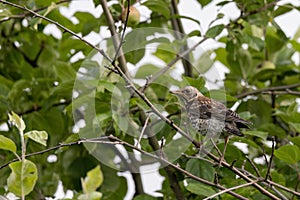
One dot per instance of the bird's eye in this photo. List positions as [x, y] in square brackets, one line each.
[188, 91]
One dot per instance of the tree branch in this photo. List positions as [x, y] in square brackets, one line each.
[178, 168]
[177, 26]
[116, 39]
[274, 88]
[271, 158]
[170, 64]
[230, 189]
[60, 26]
[20, 16]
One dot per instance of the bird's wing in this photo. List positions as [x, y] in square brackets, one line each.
[206, 108]
[232, 116]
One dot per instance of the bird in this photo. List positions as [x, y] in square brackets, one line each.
[209, 116]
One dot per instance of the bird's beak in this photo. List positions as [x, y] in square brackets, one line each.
[176, 92]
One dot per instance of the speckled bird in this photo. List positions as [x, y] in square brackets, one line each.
[208, 116]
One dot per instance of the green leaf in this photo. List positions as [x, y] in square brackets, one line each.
[92, 181]
[38, 136]
[204, 2]
[282, 9]
[194, 33]
[17, 121]
[7, 144]
[65, 71]
[204, 62]
[201, 169]
[296, 126]
[221, 95]
[186, 17]
[295, 140]
[214, 31]
[288, 153]
[272, 129]
[23, 177]
[275, 40]
[261, 134]
[146, 70]
[198, 82]
[165, 52]
[91, 196]
[200, 189]
[87, 22]
[144, 197]
[159, 7]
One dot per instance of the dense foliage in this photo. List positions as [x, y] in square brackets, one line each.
[66, 91]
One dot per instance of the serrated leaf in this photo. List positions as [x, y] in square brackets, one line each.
[92, 181]
[23, 177]
[214, 31]
[17, 121]
[7, 144]
[200, 189]
[261, 134]
[38, 136]
[288, 153]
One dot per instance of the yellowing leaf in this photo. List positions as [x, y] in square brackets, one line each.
[92, 181]
[22, 179]
[90, 196]
[38, 136]
[17, 121]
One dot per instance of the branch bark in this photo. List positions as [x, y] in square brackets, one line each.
[116, 40]
[179, 31]
[269, 89]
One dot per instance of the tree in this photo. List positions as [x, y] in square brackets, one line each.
[81, 120]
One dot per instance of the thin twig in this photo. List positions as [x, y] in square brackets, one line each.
[287, 91]
[230, 189]
[283, 188]
[179, 35]
[177, 167]
[20, 16]
[143, 130]
[123, 33]
[116, 40]
[271, 158]
[264, 155]
[99, 140]
[170, 64]
[254, 167]
[268, 183]
[275, 88]
[60, 26]
[261, 9]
